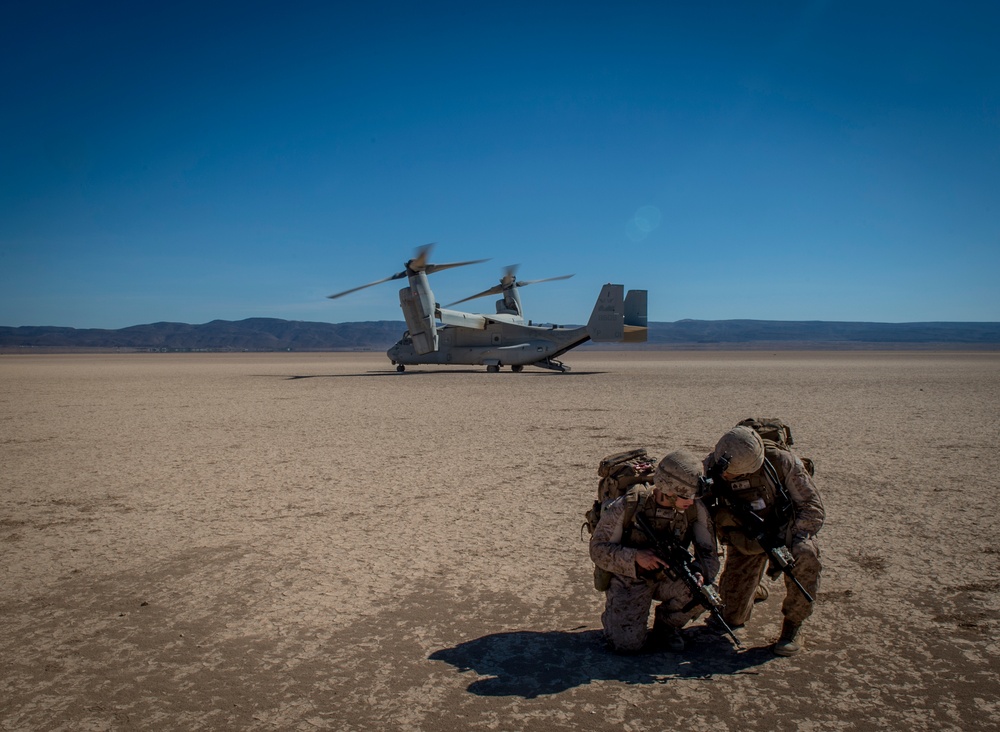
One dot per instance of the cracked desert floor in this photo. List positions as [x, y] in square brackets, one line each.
[313, 541]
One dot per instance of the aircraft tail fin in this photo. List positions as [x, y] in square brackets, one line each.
[636, 327]
[607, 321]
[618, 319]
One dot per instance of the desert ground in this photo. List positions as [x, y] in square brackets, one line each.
[313, 541]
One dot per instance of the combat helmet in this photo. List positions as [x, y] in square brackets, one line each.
[679, 474]
[744, 448]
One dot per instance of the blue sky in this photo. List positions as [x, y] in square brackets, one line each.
[780, 160]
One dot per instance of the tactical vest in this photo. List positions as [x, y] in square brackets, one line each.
[662, 520]
[765, 494]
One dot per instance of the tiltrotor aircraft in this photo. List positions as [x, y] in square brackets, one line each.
[503, 339]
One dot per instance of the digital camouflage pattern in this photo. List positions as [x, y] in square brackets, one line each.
[613, 547]
[745, 564]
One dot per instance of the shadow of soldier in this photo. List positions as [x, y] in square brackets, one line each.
[532, 663]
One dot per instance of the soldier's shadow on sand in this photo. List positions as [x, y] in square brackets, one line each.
[531, 664]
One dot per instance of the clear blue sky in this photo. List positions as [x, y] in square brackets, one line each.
[790, 160]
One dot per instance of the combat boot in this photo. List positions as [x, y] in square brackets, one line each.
[666, 637]
[790, 641]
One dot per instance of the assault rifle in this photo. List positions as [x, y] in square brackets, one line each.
[753, 526]
[680, 566]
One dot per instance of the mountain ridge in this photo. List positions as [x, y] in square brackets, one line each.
[274, 334]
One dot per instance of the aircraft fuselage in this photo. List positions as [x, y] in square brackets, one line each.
[498, 344]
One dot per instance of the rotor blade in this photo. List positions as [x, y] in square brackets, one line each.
[432, 268]
[547, 279]
[417, 264]
[396, 276]
[495, 290]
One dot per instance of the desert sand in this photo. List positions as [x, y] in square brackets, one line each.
[313, 541]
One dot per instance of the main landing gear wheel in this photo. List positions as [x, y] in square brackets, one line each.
[492, 368]
[400, 368]
[517, 369]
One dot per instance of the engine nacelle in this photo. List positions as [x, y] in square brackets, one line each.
[419, 313]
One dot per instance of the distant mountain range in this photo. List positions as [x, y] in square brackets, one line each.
[271, 334]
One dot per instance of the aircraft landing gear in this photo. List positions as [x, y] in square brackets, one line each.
[517, 368]
[492, 368]
[400, 368]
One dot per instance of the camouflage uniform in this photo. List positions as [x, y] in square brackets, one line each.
[613, 547]
[746, 562]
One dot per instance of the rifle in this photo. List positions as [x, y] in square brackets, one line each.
[753, 526]
[680, 566]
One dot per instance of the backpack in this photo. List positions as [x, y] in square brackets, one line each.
[618, 472]
[622, 470]
[774, 430]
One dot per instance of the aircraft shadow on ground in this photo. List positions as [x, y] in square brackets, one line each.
[450, 372]
[531, 664]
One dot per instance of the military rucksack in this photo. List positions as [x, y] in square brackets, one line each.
[618, 472]
[622, 470]
[772, 429]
